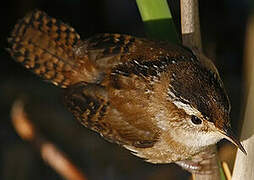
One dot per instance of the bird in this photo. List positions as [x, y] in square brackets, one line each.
[162, 101]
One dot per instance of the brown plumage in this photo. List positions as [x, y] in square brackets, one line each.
[162, 101]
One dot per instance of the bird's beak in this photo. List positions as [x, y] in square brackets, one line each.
[229, 135]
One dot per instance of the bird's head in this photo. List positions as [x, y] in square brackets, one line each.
[198, 93]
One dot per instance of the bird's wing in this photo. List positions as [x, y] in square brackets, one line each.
[92, 106]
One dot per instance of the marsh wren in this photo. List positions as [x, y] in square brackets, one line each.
[163, 102]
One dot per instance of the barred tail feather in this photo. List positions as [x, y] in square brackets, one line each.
[45, 46]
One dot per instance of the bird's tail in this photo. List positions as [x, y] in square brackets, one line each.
[45, 46]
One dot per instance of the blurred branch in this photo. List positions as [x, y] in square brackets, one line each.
[244, 165]
[49, 153]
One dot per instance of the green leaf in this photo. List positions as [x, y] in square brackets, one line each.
[158, 20]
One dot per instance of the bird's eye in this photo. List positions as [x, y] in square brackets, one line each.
[196, 120]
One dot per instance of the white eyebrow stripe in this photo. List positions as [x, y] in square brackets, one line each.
[183, 104]
[187, 108]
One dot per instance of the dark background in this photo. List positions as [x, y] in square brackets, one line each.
[223, 26]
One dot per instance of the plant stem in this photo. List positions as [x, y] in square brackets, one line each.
[191, 38]
[190, 24]
[244, 165]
